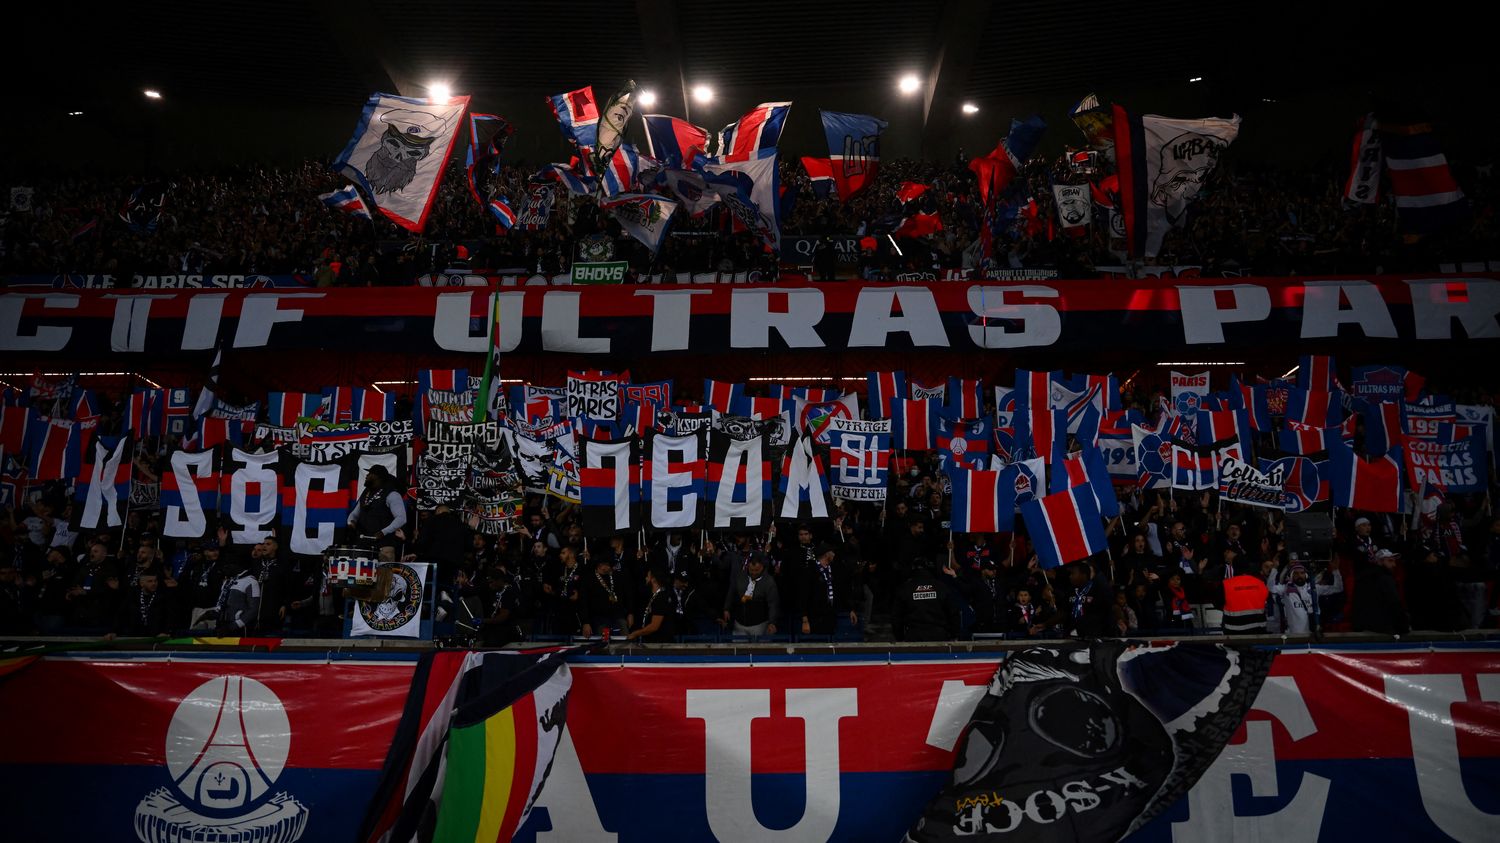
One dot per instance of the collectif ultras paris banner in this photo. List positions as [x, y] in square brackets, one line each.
[1337, 744]
[662, 318]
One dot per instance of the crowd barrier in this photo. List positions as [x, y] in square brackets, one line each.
[1345, 741]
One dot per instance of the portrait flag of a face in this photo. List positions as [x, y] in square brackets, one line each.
[399, 151]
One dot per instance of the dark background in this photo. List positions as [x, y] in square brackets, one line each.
[280, 81]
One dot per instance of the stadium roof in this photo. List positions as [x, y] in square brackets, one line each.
[323, 52]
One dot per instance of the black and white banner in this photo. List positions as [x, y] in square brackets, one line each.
[609, 485]
[399, 614]
[1075, 206]
[739, 474]
[674, 481]
[1240, 482]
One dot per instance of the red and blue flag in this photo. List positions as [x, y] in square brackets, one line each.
[982, 503]
[577, 114]
[754, 135]
[853, 150]
[885, 387]
[1065, 527]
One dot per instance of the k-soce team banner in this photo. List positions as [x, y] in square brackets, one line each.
[664, 318]
[1337, 744]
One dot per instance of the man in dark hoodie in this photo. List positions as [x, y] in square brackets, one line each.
[1377, 601]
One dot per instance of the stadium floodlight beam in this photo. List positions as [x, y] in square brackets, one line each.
[971, 108]
[703, 94]
[152, 94]
[439, 92]
[909, 84]
[646, 98]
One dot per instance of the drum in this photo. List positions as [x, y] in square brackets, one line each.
[349, 566]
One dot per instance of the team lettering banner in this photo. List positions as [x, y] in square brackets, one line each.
[1340, 744]
[1163, 314]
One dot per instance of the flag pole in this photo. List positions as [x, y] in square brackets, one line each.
[492, 342]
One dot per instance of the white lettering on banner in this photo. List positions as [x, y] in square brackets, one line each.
[327, 479]
[452, 328]
[188, 521]
[751, 319]
[260, 312]
[128, 333]
[749, 507]
[560, 330]
[47, 337]
[1041, 324]
[671, 317]
[874, 322]
[1434, 307]
[1429, 701]
[205, 312]
[1203, 320]
[573, 817]
[257, 472]
[667, 451]
[1211, 810]
[727, 716]
[595, 399]
[1323, 311]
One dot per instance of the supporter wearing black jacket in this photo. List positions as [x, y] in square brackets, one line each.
[1377, 601]
[925, 610]
[1091, 603]
[989, 598]
[827, 593]
[606, 599]
[146, 609]
[659, 618]
[442, 538]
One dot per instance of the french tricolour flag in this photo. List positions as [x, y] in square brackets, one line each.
[448, 380]
[1369, 485]
[577, 114]
[284, 408]
[1086, 469]
[981, 503]
[347, 200]
[722, 395]
[754, 135]
[885, 387]
[1065, 526]
[913, 424]
[1427, 196]
[673, 142]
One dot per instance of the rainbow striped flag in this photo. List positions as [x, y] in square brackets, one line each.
[500, 716]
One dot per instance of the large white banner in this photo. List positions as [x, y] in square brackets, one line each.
[1180, 155]
[399, 615]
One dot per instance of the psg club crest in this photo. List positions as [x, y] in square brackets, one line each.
[400, 607]
[225, 748]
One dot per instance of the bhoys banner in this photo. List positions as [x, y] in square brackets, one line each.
[957, 315]
[1340, 743]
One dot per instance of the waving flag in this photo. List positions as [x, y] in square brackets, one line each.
[504, 215]
[1428, 198]
[1365, 163]
[1086, 469]
[1314, 409]
[1382, 426]
[611, 127]
[399, 152]
[1065, 527]
[690, 188]
[964, 443]
[813, 417]
[1215, 427]
[853, 150]
[1042, 433]
[1163, 164]
[885, 387]
[18, 425]
[1026, 480]
[348, 200]
[1251, 398]
[474, 156]
[644, 216]
[673, 142]
[1034, 389]
[575, 182]
[910, 190]
[918, 224]
[1153, 458]
[965, 397]
[803, 490]
[820, 173]
[284, 408]
[103, 487]
[1316, 373]
[353, 404]
[913, 424]
[1302, 485]
[624, 170]
[754, 135]
[577, 115]
[58, 446]
[813, 394]
[982, 503]
[722, 396]
[1194, 469]
[1368, 485]
[859, 458]
[145, 413]
[749, 190]
[447, 380]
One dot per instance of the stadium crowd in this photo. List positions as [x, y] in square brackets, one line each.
[891, 569]
[259, 220]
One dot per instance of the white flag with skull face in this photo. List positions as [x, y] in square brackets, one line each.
[1075, 207]
[1180, 155]
[399, 151]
